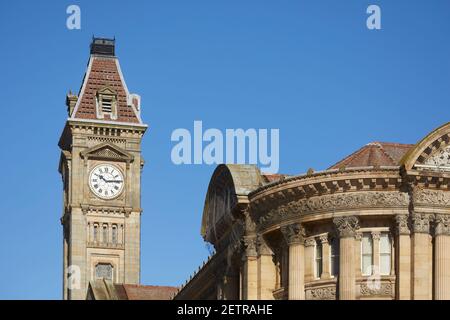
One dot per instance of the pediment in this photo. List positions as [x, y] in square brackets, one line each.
[107, 151]
[432, 153]
[106, 91]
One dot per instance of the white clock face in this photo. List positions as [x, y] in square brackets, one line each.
[106, 181]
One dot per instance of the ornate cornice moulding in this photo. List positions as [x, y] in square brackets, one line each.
[333, 203]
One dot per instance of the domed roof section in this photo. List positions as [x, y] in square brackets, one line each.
[375, 154]
[229, 186]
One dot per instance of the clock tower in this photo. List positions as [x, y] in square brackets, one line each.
[101, 165]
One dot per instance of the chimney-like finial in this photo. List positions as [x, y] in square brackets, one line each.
[103, 46]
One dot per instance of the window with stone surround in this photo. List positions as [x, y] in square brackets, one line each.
[334, 257]
[95, 236]
[104, 271]
[106, 101]
[318, 258]
[105, 233]
[385, 253]
[366, 254]
[114, 234]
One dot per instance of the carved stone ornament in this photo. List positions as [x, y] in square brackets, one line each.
[431, 197]
[310, 242]
[384, 289]
[262, 247]
[402, 224]
[324, 293]
[421, 222]
[376, 235]
[294, 233]
[442, 225]
[440, 158]
[323, 238]
[353, 200]
[249, 243]
[346, 226]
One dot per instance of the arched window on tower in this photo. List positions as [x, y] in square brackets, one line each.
[95, 236]
[105, 233]
[114, 234]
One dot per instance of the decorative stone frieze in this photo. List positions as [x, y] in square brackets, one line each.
[346, 226]
[421, 222]
[442, 225]
[402, 224]
[384, 289]
[322, 293]
[431, 197]
[342, 201]
[294, 233]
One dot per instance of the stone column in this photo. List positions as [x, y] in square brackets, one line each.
[442, 258]
[309, 259]
[346, 229]
[421, 242]
[266, 270]
[326, 253]
[403, 258]
[294, 235]
[250, 269]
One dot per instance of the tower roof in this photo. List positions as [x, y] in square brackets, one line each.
[103, 74]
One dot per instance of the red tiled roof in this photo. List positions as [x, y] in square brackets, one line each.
[375, 154]
[104, 71]
[268, 178]
[106, 290]
[142, 292]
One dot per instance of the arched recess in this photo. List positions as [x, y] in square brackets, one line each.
[227, 193]
[432, 153]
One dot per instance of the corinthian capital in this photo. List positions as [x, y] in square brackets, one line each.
[401, 224]
[421, 222]
[294, 233]
[442, 225]
[346, 226]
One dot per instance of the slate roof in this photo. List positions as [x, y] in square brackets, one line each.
[104, 71]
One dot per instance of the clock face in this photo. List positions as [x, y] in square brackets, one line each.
[106, 181]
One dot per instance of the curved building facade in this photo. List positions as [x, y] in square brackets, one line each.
[376, 225]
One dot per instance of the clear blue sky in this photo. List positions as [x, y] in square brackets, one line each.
[310, 68]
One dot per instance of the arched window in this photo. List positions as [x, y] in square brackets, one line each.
[105, 233]
[114, 234]
[95, 232]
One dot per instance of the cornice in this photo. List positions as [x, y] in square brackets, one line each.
[325, 176]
